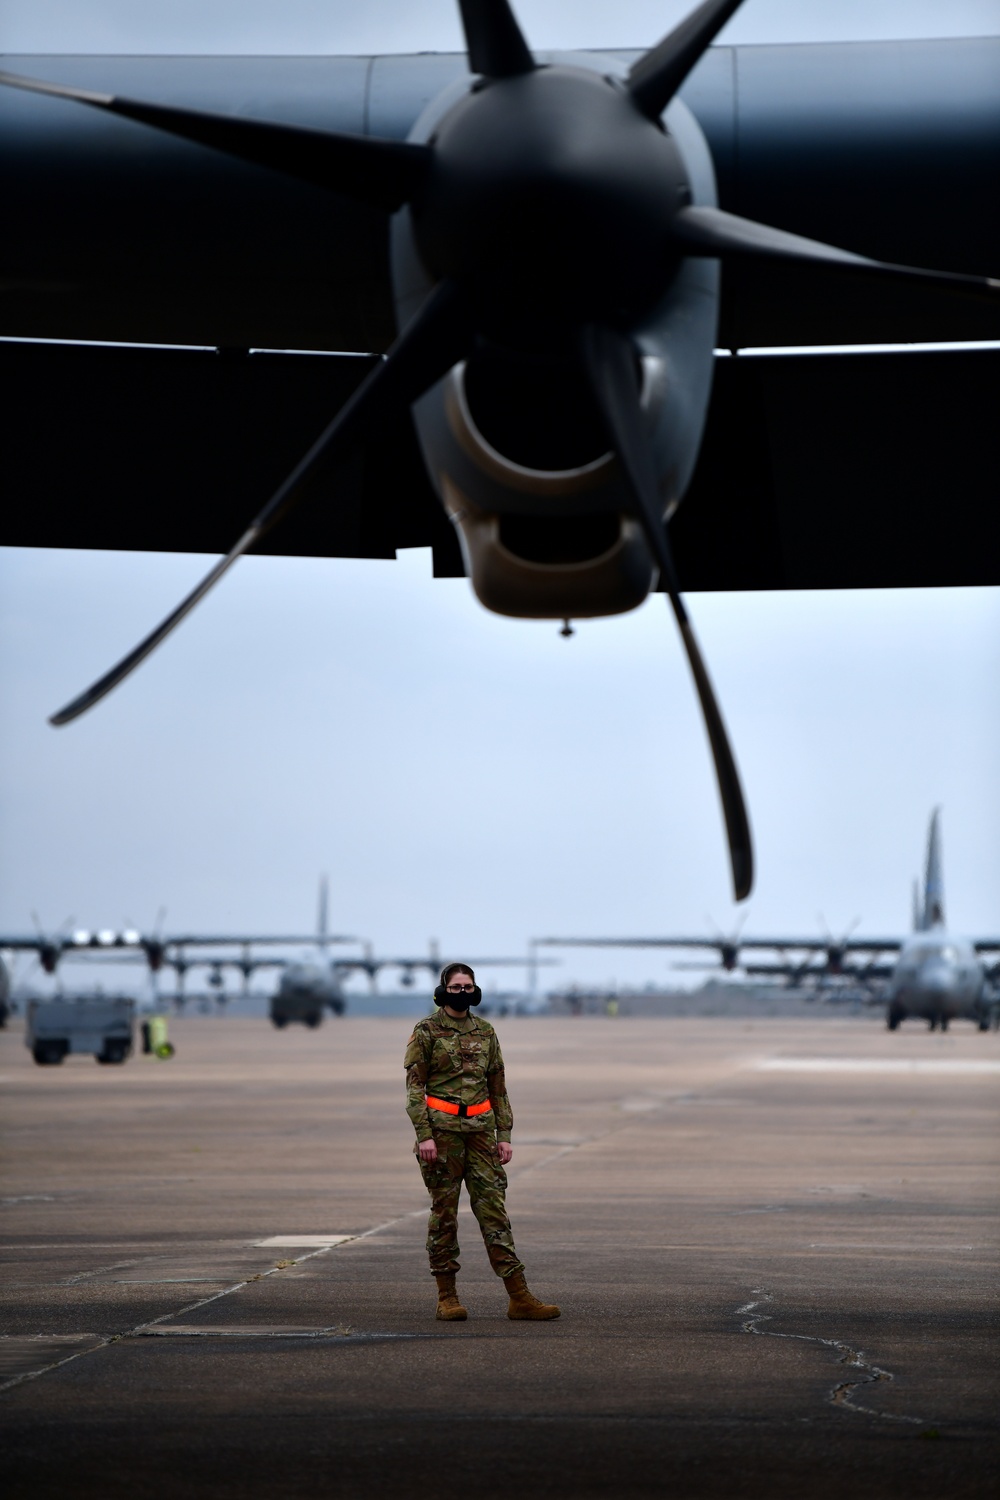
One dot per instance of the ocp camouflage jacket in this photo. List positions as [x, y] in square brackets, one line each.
[459, 1061]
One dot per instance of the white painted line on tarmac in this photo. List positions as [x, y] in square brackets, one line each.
[893, 1247]
[877, 1065]
[342, 1334]
[303, 1241]
[224, 1331]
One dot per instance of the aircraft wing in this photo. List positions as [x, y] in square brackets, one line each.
[508, 963]
[802, 972]
[214, 961]
[434, 963]
[208, 940]
[206, 960]
[779, 944]
[226, 431]
[824, 944]
[117, 231]
[115, 235]
[99, 941]
[628, 942]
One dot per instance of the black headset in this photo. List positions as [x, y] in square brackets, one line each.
[441, 996]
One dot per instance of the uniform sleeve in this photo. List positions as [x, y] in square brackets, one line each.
[417, 1063]
[496, 1082]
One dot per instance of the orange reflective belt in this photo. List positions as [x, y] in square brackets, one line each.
[448, 1108]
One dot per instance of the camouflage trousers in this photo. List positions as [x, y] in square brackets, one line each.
[470, 1157]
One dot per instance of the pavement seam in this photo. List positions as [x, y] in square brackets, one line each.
[117, 1338]
[843, 1391]
[8, 1385]
[138, 1330]
[117, 1265]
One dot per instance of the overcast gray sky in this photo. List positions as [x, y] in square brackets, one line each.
[463, 776]
[402, 26]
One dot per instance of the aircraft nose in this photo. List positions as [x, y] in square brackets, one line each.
[936, 979]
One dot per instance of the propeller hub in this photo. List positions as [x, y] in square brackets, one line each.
[550, 196]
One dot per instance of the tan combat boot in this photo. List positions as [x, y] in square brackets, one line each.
[523, 1304]
[449, 1309]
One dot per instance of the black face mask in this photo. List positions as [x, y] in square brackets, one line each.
[457, 1002]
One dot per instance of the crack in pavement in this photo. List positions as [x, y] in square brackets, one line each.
[843, 1392]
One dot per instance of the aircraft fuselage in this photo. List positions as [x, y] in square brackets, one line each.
[305, 991]
[939, 978]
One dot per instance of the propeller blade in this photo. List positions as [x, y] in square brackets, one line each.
[493, 39]
[384, 173]
[655, 78]
[436, 339]
[610, 362]
[712, 231]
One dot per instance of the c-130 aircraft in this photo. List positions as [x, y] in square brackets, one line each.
[935, 976]
[555, 250]
[307, 986]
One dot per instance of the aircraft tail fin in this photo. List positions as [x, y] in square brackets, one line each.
[933, 913]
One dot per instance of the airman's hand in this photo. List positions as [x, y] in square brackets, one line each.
[506, 1151]
[428, 1152]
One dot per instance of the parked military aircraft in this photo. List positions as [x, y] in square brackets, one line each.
[161, 949]
[308, 987]
[555, 248]
[935, 976]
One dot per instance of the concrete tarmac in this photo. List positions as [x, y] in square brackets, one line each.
[774, 1244]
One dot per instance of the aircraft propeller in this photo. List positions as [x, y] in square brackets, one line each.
[729, 947]
[50, 949]
[553, 209]
[836, 948]
[154, 946]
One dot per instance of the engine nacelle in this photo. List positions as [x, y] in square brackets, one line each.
[515, 446]
[543, 542]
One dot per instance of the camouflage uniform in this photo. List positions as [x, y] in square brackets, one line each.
[460, 1061]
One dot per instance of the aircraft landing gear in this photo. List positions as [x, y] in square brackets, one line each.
[894, 1015]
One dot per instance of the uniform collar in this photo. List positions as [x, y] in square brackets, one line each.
[446, 1020]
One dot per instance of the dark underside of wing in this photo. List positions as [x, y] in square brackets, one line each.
[817, 471]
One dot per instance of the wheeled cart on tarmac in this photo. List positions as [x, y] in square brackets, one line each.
[87, 1023]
